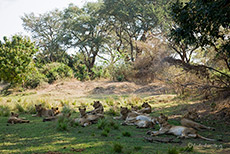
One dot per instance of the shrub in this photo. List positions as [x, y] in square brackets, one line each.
[16, 54]
[4, 110]
[117, 147]
[34, 79]
[55, 71]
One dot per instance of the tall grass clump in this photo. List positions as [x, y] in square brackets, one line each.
[19, 108]
[173, 151]
[4, 110]
[117, 147]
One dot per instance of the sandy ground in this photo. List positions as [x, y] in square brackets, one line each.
[75, 88]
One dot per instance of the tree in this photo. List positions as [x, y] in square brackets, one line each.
[16, 55]
[202, 25]
[46, 29]
[130, 20]
[84, 31]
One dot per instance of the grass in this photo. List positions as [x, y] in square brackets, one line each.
[108, 136]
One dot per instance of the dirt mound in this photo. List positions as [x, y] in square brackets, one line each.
[77, 88]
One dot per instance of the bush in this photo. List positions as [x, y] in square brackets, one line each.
[4, 111]
[16, 55]
[34, 79]
[55, 71]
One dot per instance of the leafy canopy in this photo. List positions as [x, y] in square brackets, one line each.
[15, 57]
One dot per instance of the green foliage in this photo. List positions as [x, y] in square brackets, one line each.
[202, 24]
[117, 147]
[4, 110]
[15, 57]
[101, 123]
[34, 78]
[55, 71]
[62, 124]
[46, 30]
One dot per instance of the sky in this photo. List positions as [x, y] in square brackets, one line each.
[11, 12]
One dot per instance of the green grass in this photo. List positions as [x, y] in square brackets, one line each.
[108, 136]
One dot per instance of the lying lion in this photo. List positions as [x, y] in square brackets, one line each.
[180, 131]
[188, 121]
[14, 119]
[98, 108]
[146, 108]
[43, 112]
[87, 119]
[57, 114]
[135, 118]
[141, 121]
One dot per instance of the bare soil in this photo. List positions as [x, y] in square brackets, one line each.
[75, 88]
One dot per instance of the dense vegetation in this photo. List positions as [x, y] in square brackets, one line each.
[135, 40]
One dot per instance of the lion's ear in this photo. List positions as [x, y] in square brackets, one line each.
[12, 113]
[56, 108]
[52, 108]
[35, 105]
[40, 105]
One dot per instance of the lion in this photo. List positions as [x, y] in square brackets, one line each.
[41, 111]
[146, 108]
[134, 108]
[87, 119]
[135, 118]
[98, 108]
[141, 121]
[14, 119]
[57, 114]
[124, 111]
[180, 131]
[188, 120]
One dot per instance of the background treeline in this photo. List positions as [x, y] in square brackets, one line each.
[184, 43]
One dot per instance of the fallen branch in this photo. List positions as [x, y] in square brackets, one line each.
[162, 140]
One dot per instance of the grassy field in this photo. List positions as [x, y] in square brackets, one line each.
[43, 137]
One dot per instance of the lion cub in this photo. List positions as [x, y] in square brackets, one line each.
[146, 108]
[98, 108]
[57, 114]
[124, 111]
[188, 121]
[180, 131]
[41, 111]
[14, 119]
[87, 119]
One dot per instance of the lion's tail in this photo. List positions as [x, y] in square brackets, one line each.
[202, 137]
